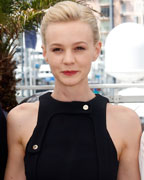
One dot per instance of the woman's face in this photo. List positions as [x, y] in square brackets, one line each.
[69, 51]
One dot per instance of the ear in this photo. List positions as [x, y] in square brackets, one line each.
[97, 50]
[44, 53]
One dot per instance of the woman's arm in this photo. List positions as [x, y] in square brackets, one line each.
[131, 129]
[15, 164]
[141, 157]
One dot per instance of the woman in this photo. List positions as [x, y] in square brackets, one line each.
[72, 133]
[141, 157]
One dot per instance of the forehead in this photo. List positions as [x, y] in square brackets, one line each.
[72, 31]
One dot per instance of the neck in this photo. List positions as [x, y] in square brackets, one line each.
[73, 93]
[81, 92]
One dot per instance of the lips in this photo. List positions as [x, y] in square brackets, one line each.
[69, 73]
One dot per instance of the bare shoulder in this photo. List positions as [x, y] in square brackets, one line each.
[124, 115]
[24, 107]
[21, 121]
[126, 119]
[22, 112]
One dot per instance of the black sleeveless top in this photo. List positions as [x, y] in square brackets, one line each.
[71, 142]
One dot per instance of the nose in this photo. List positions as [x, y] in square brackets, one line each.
[68, 57]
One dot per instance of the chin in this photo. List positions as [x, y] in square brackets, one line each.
[71, 83]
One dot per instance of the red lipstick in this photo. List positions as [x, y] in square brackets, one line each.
[69, 73]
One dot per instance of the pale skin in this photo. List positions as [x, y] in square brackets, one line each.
[141, 157]
[70, 52]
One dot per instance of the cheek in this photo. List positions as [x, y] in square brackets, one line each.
[86, 60]
[86, 66]
[53, 59]
[54, 66]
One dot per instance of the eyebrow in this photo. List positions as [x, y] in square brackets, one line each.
[55, 44]
[81, 42]
[58, 44]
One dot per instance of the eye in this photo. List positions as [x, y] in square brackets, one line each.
[79, 48]
[57, 50]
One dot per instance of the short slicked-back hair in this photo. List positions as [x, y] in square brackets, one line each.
[67, 11]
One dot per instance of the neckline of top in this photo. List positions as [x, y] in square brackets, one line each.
[69, 102]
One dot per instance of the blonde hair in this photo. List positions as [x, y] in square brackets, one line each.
[67, 11]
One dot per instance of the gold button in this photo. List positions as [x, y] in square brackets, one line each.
[85, 107]
[35, 147]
